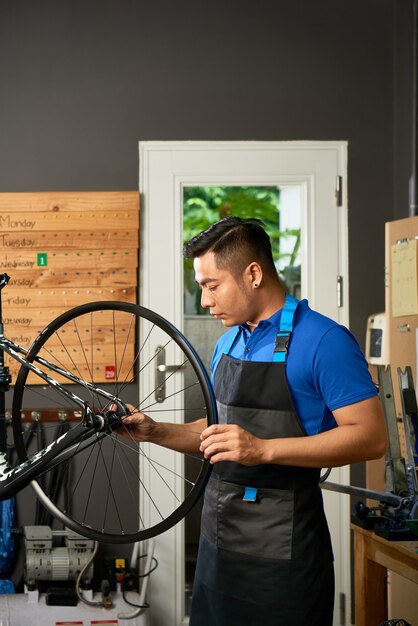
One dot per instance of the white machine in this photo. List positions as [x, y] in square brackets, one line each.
[44, 561]
[73, 561]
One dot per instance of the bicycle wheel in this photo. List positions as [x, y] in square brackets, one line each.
[108, 486]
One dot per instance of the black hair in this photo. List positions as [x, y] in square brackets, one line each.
[235, 242]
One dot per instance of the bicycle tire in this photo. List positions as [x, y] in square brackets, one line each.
[77, 336]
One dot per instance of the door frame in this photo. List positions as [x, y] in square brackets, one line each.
[173, 199]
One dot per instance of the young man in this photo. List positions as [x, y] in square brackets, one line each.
[294, 395]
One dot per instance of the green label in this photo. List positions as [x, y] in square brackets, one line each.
[42, 259]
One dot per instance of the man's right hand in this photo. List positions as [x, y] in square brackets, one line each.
[138, 426]
[180, 437]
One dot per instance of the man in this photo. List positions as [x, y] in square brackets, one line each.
[293, 395]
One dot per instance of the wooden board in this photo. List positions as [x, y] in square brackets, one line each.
[402, 330]
[72, 239]
[62, 249]
[66, 220]
[14, 261]
[68, 297]
[68, 201]
[118, 276]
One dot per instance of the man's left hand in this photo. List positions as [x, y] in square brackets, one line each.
[229, 442]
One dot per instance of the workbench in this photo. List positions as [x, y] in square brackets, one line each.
[373, 556]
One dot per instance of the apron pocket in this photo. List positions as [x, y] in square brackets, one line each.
[209, 523]
[263, 528]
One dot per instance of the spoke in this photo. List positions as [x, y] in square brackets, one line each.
[142, 409]
[108, 491]
[143, 485]
[197, 408]
[82, 350]
[136, 359]
[86, 360]
[124, 351]
[91, 343]
[122, 384]
[154, 356]
[115, 356]
[90, 490]
[178, 368]
[129, 487]
[84, 467]
[63, 365]
[110, 488]
[153, 461]
[46, 397]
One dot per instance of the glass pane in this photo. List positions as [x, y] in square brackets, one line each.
[279, 208]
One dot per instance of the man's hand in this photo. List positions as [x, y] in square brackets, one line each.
[138, 426]
[229, 442]
[180, 437]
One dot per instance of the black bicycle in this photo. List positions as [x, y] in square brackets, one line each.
[114, 489]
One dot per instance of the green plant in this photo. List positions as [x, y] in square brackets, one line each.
[205, 205]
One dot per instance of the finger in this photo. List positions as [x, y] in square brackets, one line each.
[133, 418]
[222, 456]
[216, 429]
[216, 447]
[213, 440]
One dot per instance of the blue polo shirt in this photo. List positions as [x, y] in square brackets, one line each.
[325, 367]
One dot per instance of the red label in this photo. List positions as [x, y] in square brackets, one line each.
[110, 372]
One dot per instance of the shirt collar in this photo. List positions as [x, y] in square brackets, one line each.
[273, 320]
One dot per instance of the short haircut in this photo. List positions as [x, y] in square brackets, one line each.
[235, 242]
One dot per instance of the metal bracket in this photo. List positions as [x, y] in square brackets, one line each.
[410, 414]
[396, 472]
[161, 369]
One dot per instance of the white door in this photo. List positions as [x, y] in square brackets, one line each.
[166, 168]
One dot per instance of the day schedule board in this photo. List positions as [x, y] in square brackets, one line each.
[63, 249]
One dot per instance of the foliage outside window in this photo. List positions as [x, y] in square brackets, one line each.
[203, 206]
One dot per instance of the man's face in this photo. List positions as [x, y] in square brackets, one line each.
[227, 299]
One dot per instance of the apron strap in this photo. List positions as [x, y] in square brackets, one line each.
[282, 338]
[286, 327]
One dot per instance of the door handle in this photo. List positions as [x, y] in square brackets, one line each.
[161, 370]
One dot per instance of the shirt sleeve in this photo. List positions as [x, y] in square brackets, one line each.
[340, 371]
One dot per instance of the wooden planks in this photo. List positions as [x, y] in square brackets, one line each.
[63, 249]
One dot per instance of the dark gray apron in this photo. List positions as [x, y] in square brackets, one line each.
[265, 556]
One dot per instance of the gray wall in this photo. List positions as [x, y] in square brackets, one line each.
[83, 81]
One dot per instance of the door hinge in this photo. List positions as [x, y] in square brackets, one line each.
[342, 609]
[339, 291]
[339, 190]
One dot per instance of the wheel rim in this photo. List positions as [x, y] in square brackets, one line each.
[117, 490]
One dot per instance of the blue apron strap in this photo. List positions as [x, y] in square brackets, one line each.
[286, 327]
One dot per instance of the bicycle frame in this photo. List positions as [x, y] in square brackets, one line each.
[12, 480]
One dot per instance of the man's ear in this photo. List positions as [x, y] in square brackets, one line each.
[253, 275]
